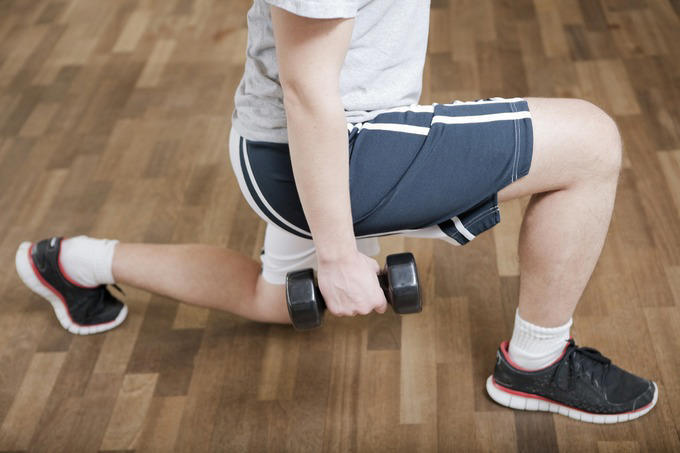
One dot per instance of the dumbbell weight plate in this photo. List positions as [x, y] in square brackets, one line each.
[402, 277]
[304, 301]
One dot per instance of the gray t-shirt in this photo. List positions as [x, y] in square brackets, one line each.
[383, 67]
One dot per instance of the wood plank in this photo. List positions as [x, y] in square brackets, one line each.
[133, 31]
[340, 429]
[161, 424]
[279, 364]
[114, 121]
[552, 34]
[378, 401]
[156, 64]
[129, 413]
[506, 238]
[22, 419]
[418, 374]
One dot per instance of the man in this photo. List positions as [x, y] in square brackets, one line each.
[328, 142]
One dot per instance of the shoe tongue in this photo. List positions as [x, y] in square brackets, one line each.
[563, 377]
[581, 361]
[592, 363]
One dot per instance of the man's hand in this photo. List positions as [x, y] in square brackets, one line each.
[350, 285]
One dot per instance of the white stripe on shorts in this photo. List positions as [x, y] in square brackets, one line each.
[487, 118]
[444, 119]
[253, 181]
[462, 230]
[485, 101]
[430, 108]
[395, 127]
[421, 130]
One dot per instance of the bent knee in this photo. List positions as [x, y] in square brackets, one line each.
[270, 302]
[581, 141]
[600, 140]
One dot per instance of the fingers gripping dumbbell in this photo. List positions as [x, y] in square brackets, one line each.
[398, 279]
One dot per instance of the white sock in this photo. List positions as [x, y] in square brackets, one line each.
[533, 347]
[88, 261]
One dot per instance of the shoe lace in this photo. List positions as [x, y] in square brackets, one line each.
[582, 361]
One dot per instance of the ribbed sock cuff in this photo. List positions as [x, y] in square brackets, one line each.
[88, 261]
[534, 347]
[103, 265]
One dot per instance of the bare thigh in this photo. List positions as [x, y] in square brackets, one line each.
[573, 140]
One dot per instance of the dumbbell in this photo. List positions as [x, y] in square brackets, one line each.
[398, 279]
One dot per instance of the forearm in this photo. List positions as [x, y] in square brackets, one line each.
[310, 54]
[317, 135]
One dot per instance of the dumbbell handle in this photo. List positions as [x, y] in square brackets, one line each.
[382, 279]
[398, 280]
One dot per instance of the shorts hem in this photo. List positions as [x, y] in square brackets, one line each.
[273, 277]
[524, 139]
[467, 226]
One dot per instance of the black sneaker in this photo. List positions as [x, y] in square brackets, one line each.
[581, 384]
[81, 310]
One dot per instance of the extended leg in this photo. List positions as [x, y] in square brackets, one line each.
[211, 277]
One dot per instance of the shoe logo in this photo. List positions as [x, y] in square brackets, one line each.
[498, 358]
[53, 241]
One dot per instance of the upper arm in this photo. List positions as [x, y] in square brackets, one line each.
[310, 52]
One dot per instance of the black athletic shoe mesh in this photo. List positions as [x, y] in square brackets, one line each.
[86, 306]
[583, 379]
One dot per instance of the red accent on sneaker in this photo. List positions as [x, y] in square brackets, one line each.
[538, 397]
[506, 354]
[57, 293]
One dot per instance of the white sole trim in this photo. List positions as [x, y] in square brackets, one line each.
[535, 404]
[27, 275]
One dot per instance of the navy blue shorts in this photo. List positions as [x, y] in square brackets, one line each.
[431, 169]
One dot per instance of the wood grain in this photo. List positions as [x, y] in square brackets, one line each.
[114, 122]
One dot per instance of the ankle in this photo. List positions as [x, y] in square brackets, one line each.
[87, 261]
[533, 347]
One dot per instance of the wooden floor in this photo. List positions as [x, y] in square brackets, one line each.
[114, 118]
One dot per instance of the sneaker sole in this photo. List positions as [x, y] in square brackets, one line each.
[532, 403]
[27, 275]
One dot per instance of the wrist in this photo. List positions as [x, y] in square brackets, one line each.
[335, 251]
